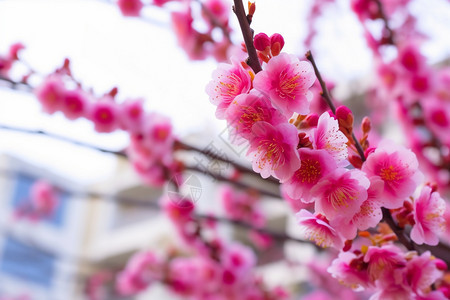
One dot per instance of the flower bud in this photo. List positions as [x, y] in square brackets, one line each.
[261, 41]
[276, 43]
[366, 125]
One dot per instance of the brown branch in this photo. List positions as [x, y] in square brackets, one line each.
[247, 33]
[62, 138]
[390, 37]
[326, 95]
[238, 184]
[215, 22]
[241, 168]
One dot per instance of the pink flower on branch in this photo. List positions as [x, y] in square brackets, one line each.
[286, 80]
[315, 164]
[429, 211]
[317, 229]
[247, 109]
[328, 136]
[398, 168]
[229, 81]
[104, 115]
[340, 194]
[273, 150]
[51, 94]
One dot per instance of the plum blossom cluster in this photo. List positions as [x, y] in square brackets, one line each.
[186, 16]
[41, 204]
[222, 271]
[339, 188]
[151, 136]
[391, 273]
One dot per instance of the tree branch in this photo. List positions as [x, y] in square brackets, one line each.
[247, 33]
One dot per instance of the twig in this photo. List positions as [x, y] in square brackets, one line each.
[247, 33]
[390, 37]
[233, 182]
[62, 138]
[237, 166]
[387, 217]
[326, 95]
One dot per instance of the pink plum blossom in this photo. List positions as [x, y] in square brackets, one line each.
[130, 8]
[273, 150]
[103, 114]
[158, 136]
[317, 229]
[328, 136]
[398, 168]
[44, 199]
[286, 80]
[141, 270]
[341, 193]
[247, 109]
[421, 272]
[75, 104]
[51, 94]
[229, 81]
[385, 263]
[429, 211]
[350, 271]
[131, 115]
[242, 206]
[315, 164]
[238, 259]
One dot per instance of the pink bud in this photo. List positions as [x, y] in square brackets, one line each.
[366, 125]
[261, 41]
[312, 120]
[345, 117]
[277, 38]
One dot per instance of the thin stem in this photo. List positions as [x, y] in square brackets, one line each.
[274, 234]
[387, 217]
[237, 166]
[154, 205]
[238, 184]
[215, 21]
[390, 37]
[326, 95]
[62, 138]
[247, 33]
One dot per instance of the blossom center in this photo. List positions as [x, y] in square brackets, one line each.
[309, 171]
[287, 85]
[389, 174]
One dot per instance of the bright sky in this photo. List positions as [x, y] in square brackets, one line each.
[142, 59]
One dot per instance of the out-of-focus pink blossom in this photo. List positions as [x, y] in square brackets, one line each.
[51, 94]
[131, 115]
[130, 8]
[75, 104]
[429, 219]
[44, 199]
[273, 150]
[141, 270]
[229, 81]
[286, 80]
[103, 114]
